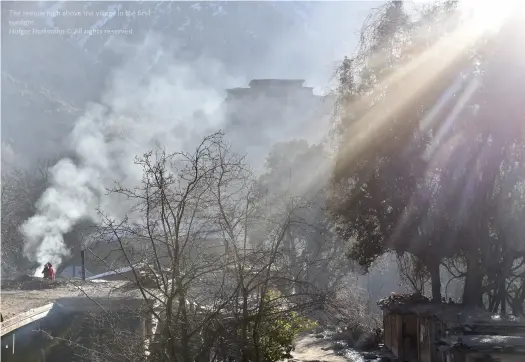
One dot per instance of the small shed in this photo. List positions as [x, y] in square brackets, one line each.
[405, 329]
[414, 327]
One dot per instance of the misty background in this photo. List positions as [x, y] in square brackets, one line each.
[101, 100]
[226, 43]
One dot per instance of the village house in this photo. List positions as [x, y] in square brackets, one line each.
[416, 330]
[272, 110]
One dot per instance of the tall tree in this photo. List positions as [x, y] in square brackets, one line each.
[378, 195]
[421, 160]
[294, 170]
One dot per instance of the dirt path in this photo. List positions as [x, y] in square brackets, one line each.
[310, 349]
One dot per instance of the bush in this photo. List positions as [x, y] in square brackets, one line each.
[278, 336]
[279, 329]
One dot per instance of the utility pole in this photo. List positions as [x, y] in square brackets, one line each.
[83, 260]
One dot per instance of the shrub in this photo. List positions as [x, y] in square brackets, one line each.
[279, 328]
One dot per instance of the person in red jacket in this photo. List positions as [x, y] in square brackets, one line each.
[48, 271]
[51, 272]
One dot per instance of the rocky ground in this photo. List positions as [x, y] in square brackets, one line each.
[308, 348]
[328, 346]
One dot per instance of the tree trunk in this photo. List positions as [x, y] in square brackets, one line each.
[435, 277]
[502, 285]
[183, 321]
[503, 296]
[516, 302]
[245, 345]
[472, 292]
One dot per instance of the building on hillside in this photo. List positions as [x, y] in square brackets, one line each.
[416, 330]
[273, 110]
[280, 88]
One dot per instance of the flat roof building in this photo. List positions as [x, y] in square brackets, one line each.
[273, 110]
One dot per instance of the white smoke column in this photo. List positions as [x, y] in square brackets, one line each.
[174, 106]
[60, 208]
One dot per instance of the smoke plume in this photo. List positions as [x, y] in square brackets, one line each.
[152, 99]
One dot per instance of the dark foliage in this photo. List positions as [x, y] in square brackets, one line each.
[430, 147]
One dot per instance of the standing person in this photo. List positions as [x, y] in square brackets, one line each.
[46, 271]
[51, 272]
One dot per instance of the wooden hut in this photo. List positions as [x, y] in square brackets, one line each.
[416, 330]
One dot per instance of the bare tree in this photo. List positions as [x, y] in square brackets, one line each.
[205, 249]
[413, 273]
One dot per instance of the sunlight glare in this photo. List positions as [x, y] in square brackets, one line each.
[489, 16]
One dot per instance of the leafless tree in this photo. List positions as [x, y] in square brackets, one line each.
[413, 273]
[205, 249]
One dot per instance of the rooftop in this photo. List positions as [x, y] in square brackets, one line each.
[255, 83]
[485, 343]
[454, 314]
[31, 294]
[278, 86]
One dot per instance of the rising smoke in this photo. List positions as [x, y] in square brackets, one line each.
[155, 99]
[152, 99]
